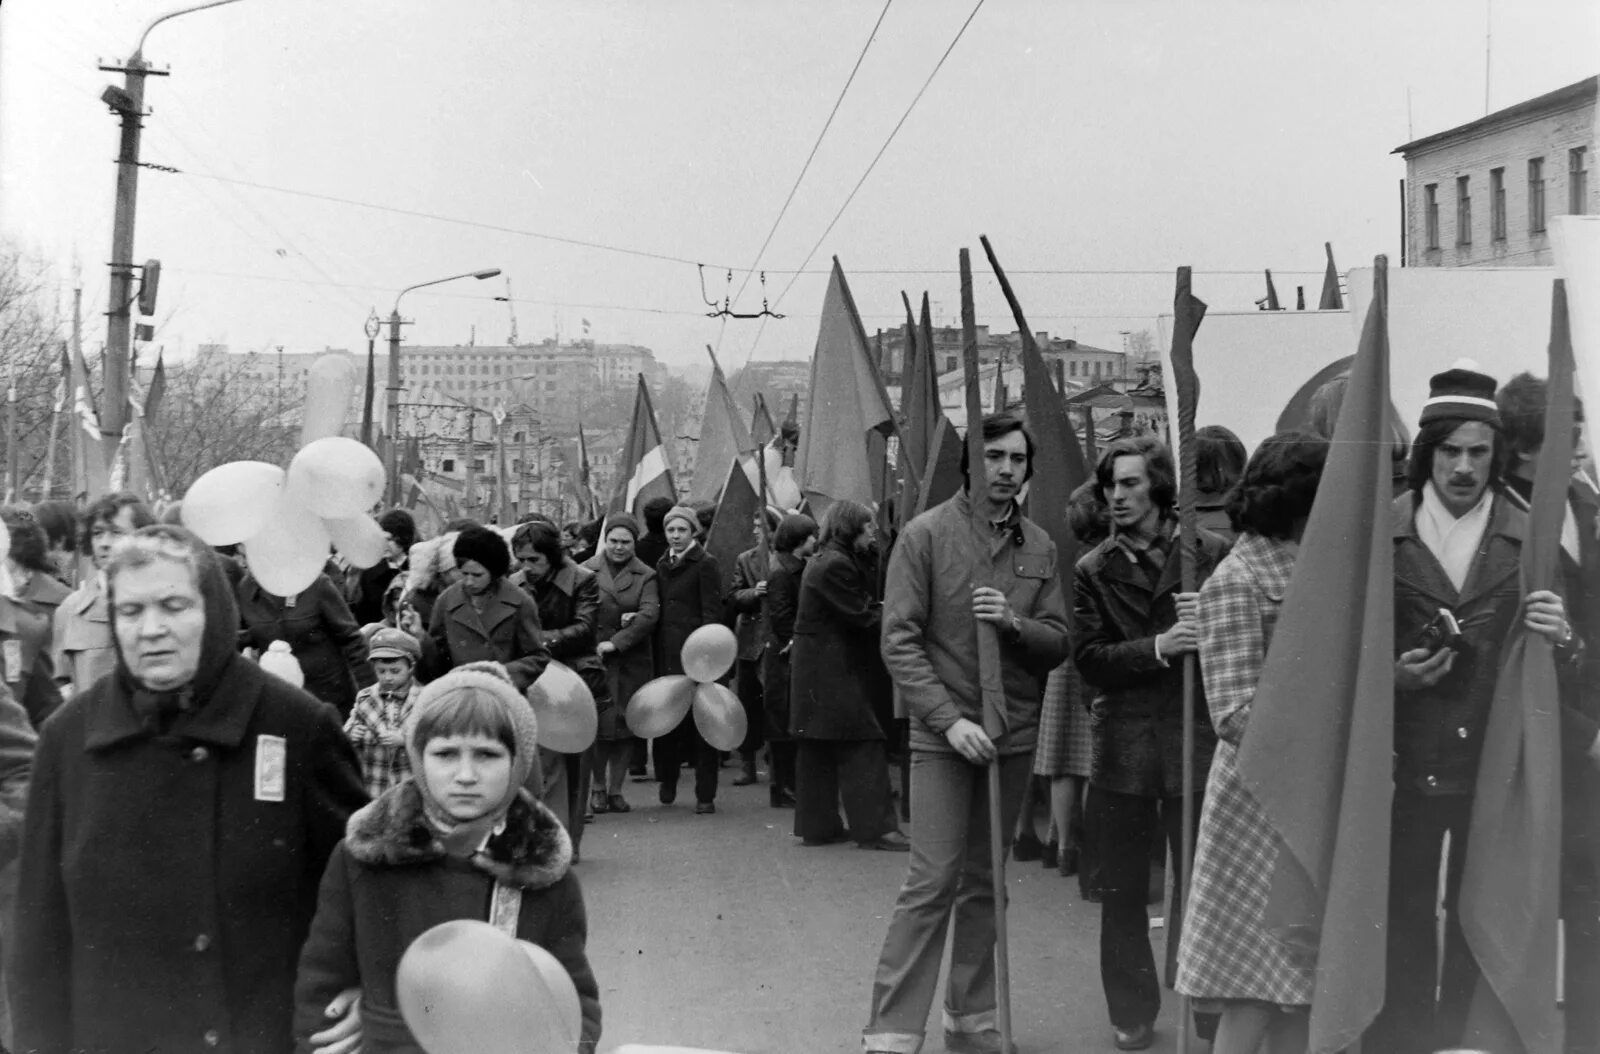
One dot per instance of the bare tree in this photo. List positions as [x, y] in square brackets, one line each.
[213, 412]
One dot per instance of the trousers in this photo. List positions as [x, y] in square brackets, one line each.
[854, 772]
[948, 878]
[685, 745]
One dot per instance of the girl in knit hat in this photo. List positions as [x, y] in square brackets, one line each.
[459, 839]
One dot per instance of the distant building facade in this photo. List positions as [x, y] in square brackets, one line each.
[1482, 194]
[1081, 364]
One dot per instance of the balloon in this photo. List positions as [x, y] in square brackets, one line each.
[231, 502]
[565, 709]
[709, 652]
[359, 539]
[559, 991]
[289, 551]
[464, 987]
[720, 716]
[659, 705]
[337, 477]
[330, 383]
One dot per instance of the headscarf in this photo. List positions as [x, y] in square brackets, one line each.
[462, 838]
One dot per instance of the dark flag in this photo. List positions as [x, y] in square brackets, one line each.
[1331, 298]
[731, 528]
[1272, 295]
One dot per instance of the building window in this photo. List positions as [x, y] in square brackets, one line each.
[1072, 369]
[447, 465]
[1463, 210]
[1431, 196]
[1577, 180]
[549, 386]
[949, 363]
[1536, 195]
[1497, 204]
[477, 464]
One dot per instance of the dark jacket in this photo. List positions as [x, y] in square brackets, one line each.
[32, 679]
[320, 631]
[930, 635]
[390, 881]
[783, 597]
[367, 589]
[835, 654]
[1438, 731]
[170, 867]
[507, 632]
[650, 548]
[628, 589]
[745, 602]
[1136, 712]
[569, 612]
[691, 597]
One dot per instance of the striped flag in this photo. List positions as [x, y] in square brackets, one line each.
[646, 472]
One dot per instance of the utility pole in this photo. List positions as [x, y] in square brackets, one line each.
[392, 407]
[472, 452]
[372, 326]
[522, 469]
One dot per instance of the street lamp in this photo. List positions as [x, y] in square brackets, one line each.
[372, 327]
[394, 374]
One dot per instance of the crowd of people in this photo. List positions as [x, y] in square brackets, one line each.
[277, 846]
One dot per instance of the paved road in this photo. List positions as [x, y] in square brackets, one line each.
[725, 932]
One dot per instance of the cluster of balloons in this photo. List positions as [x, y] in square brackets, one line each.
[659, 705]
[466, 987]
[288, 520]
[565, 710]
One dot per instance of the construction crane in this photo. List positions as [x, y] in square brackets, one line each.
[511, 309]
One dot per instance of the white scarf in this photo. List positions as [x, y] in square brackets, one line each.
[1453, 542]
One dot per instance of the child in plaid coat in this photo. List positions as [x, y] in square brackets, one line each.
[376, 726]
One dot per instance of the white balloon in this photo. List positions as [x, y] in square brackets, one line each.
[359, 540]
[336, 477]
[232, 502]
[330, 383]
[288, 554]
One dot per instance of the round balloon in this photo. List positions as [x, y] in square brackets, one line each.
[558, 992]
[359, 539]
[709, 652]
[232, 502]
[565, 709]
[330, 383]
[289, 551]
[337, 477]
[464, 987]
[720, 716]
[658, 706]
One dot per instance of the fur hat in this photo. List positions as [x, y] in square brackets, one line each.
[685, 513]
[484, 546]
[1461, 393]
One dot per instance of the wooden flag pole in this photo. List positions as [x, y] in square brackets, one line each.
[761, 476]
[993, 691]
[1188, 312]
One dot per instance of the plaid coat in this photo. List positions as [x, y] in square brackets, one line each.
[374, 713]
[1225, 951]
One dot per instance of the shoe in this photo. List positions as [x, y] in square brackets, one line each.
[893, 842]
[1139, 1037]
[985, 1042]
[1067, 866]
[668, 793]
[747, 772]
[704, 808]
[833, 839]
[598, 802]
[617, 803]
[779, 798]
[1050, 858]
[1026, 848]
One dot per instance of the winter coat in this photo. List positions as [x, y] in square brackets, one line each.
[930, 635]
[169, 868]
[80, 634]
[367, 590]
[691, 597]
[628, 589]
[783, 597]
[1136, 708]
[569, 612]
[835, 652]
[321, 632]
[506, 632]
[25, 638]
[390, 881]
[743, 600]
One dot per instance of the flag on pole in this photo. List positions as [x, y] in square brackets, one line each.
[723, 437]
[762, 430]
[846, 401]
[89, 476]
[158, 388]
[1320, 751]
[731, 531]
[1272, 295]
[1514, 844]
[645, 472]
[585, 491]
[1331, 298]
[63, 383]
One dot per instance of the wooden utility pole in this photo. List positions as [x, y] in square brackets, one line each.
[467, 497]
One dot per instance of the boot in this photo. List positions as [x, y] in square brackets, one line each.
[747, 769]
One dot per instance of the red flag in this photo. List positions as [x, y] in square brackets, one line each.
[723, 438]
[585, 491]
[1514, 848]
[1331, 298]
[762, 430]
[731, 532]
[941, 475]
[1272, 295]
[1319, 754]
[645, 472]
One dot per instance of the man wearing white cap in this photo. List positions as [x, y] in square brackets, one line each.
[1457, 543]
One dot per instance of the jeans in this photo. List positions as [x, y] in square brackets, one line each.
[948, 876]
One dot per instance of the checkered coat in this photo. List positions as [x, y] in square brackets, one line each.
[1225, 951]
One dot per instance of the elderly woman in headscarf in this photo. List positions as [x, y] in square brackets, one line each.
[181, 814]
[630, 606]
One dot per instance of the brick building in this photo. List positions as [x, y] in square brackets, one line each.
[1481, 194]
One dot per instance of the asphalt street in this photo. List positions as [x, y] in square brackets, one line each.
[724, 932]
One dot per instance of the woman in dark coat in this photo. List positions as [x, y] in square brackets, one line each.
[630, 607]
[793, 541]
[568, 598]
[29, 665]
[319, 629]
[840, 753]
[691, 596]
[181, 814]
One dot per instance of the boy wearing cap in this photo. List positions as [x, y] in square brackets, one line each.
[376, 726]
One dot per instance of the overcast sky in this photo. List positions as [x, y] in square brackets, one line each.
[1080, 136]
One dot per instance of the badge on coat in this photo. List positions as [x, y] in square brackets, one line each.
[11, 656]
[272, 753]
